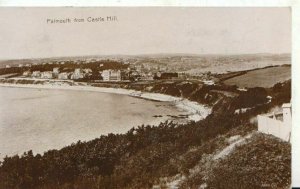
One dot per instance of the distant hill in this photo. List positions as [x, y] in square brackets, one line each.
[176, 62]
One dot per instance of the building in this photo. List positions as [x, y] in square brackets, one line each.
[111, 75]
[47, 75]
[27, 73]
[168, 75]
[242, 89]
[55, 72]
[78, 74]
[36, 74]
[87, 70]
[182, 75]
[277, 124]
[208, 82]
[87, 73]
[64, 75]
[7, 66]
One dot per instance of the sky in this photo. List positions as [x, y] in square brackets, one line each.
[25, 32]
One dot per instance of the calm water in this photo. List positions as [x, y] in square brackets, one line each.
[50, 119]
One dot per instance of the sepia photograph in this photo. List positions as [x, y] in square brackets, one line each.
[145, 97]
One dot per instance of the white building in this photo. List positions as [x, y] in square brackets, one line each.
[7, 66]
[27, 73]
[242, 89]
[209, 82]
[56, 70]
[87, 70]
[111, 75]
[36, 74]
[47, 75]
[78, 74]
[63, 75]
[277, 124]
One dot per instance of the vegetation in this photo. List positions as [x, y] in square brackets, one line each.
[135, 159]
[68, 66]
[265, 162]
[144, 155]
[266, 77]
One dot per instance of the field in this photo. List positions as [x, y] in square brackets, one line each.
[261, 78]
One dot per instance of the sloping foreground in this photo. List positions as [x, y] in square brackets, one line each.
[260, 161]
[147, 157]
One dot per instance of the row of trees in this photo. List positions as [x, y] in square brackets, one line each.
[67, 66]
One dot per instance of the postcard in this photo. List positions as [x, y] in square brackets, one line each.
[146, 97]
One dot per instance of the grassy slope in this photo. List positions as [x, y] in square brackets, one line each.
[265, 162]
[262, 162]
[262, 77]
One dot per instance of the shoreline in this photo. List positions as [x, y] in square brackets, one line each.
[195, 111]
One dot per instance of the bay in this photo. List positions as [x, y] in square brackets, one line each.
[43, 119]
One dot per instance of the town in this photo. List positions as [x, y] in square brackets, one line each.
[101, 70]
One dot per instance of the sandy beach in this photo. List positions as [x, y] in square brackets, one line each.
[194, 110]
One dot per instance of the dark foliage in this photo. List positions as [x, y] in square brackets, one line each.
[129, 160]
[263, 163]
[140, 157]
[67, 66]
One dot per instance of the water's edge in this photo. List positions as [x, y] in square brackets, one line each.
[194, 110]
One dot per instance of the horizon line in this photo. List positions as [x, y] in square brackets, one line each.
[146, 54]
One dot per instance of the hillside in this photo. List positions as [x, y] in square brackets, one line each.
[265, 77]
[190, 63]
[186, 155]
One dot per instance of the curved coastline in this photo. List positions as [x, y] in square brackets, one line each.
[194, 110]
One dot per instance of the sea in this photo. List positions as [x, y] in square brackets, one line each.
[44, 119]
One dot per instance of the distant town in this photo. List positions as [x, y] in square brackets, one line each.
[100, 70]
[120, 68]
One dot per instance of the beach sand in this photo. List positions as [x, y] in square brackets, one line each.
[194, 110]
